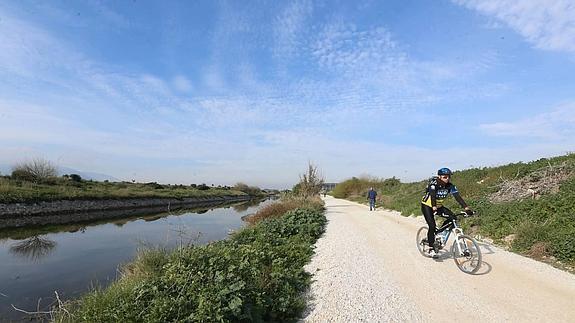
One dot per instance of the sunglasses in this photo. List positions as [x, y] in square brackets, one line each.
[445, 176]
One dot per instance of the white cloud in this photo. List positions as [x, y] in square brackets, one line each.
[548, 24]
[289, 27]
[558, 124]
[214, 79]
[182, 84]
[342, 47]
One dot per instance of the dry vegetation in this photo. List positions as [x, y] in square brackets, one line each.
[287, 203]
[545, 180]
[304, 195]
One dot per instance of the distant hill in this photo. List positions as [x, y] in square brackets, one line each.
[7, 170]
[87, 175]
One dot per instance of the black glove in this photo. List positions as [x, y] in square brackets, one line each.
[469, 212]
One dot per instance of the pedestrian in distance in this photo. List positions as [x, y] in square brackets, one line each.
[371, 195]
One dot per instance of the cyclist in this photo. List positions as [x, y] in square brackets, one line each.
[438, 190]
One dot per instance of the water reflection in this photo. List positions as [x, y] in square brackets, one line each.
[148, 215]
[33, 248]
[241, 207]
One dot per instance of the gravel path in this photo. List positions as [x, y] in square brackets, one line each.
[367, 269]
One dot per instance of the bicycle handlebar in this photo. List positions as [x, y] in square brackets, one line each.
[463, 213]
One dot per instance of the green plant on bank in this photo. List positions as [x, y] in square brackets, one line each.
[62, 188]
[287, 203]
[256, 275]
[541, 228]
[305, 194]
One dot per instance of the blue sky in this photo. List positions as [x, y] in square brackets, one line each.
[227, 91]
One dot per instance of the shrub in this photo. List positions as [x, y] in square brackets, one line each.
[35, 170]
[154, 185]
[22, 175]
[250, 190]
[287, 203]
[310, 182]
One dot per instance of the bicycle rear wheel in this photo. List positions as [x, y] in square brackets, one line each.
[421, 240]
[468, 256]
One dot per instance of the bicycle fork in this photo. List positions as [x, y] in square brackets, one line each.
[459, 243]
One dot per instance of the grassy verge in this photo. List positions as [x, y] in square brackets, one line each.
[255, 275]
[540, 226]
[287, 203]
[14, 191]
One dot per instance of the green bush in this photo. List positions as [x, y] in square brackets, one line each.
[287, 203]
[256, 275]
[23, 175]
[250, 190]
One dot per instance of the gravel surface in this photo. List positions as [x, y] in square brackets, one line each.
[367, 269]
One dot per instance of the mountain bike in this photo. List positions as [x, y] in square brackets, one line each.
[465, 250]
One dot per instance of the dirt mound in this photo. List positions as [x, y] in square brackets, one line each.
[542, 181]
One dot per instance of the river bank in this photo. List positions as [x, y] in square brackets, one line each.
[14, 215]
[255, 275]
[74, 258]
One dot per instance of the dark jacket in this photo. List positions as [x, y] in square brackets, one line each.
[437, 191]
[371, 194]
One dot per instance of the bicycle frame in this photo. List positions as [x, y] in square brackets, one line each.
[464, 250]
[451, 227]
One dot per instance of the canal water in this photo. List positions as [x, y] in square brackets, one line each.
[72, 259]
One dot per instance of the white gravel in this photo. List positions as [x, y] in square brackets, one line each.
[367, 269]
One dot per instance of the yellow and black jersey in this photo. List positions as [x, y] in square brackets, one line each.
[437, 191]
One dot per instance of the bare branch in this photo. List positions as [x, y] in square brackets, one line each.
[30, 313]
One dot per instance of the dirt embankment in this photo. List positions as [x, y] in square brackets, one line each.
[545, 180]
[70, 211]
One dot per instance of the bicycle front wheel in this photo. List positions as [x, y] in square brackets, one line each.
[421, 240]
[466, 254]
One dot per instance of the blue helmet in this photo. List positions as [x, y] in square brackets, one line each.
[444, 171]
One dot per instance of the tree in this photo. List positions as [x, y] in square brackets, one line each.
[310, 183]
[36, 170]
[250, 190]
